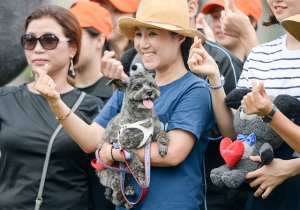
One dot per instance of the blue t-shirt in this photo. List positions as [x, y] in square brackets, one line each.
[184, 104]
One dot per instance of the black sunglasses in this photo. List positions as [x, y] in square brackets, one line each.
[48, 41]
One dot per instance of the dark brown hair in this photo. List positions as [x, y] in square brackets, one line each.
[271, 20]
[64, 18]
[184, 48]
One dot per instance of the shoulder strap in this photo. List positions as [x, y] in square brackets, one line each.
[39, 199]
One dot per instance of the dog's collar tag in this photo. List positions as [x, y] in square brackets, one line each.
[147, 131]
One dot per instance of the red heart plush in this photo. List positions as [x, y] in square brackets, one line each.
[231, 152]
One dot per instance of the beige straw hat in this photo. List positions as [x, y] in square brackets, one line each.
[171, 15]
[292, 25]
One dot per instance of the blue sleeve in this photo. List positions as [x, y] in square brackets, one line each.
[194, 111]
[110, 109]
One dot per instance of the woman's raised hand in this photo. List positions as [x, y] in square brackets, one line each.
[45, 85]
[200, 62]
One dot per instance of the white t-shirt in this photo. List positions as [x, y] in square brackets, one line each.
[276, 66]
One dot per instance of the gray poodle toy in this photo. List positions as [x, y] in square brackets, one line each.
[135, 125]
[255, 138]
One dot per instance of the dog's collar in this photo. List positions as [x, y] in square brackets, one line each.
[146, 131]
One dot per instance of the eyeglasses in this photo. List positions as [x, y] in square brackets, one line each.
[48, 41]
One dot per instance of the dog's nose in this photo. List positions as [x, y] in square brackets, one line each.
[149, 92]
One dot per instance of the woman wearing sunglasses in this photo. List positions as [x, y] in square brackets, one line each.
[52, 38]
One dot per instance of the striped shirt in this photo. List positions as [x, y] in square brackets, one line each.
[276, 66]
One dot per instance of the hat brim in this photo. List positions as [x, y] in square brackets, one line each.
[127, 27]
[292, 26]
[207, 8]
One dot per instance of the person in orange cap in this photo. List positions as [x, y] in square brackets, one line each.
[118, 8]
[227, 16]
[96, 25]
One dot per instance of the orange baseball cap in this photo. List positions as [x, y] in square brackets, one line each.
[248, 7]
[91, 14]
[126, 6]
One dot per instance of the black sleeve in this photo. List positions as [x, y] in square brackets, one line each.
[89, 108]
[229, 65]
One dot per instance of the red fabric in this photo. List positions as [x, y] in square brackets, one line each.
[97, 165]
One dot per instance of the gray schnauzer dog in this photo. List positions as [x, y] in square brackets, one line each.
[135, 125]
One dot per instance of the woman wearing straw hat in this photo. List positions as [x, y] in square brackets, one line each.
[277, 65]
[162, 38]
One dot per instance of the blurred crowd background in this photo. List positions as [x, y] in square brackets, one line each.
[265, 34]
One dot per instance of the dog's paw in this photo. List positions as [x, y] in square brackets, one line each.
[162, 149]
[128, 206]
[141, 178]
[162, 142]
[129, 191]
[108, 193]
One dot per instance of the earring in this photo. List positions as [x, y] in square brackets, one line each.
[72, 68]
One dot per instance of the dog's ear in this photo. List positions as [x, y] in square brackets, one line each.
[136, 68]
[120, 84]
[288, 105]
[234, 98]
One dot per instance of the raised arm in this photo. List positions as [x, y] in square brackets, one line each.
[86, 136]
[236, 24]
[200, 62]
[258, 102]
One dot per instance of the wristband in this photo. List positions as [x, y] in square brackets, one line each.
[268, 118]
[216, 87]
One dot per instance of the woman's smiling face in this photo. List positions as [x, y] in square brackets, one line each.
[157, 48]
[284, 8]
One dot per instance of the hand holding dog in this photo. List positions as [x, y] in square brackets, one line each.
[105, 154]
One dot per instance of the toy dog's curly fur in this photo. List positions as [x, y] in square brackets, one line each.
[141, 86]
[266, 138]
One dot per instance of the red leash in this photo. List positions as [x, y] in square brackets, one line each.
[99, 165]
